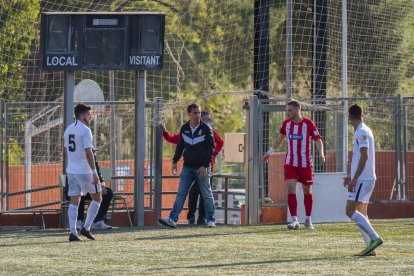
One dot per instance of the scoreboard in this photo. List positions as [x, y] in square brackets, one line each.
[102, 41]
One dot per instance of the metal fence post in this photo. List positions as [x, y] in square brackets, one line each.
[6, 150]
[158, 149]
[112, 145]
[252, 175]
[405, 146]
[1, 156]
[226, 199]
[139, 157]
[398, 146]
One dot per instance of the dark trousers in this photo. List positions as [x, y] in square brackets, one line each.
[103, 209]
[193, 197]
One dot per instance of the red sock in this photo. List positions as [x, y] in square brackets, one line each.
[293, 205]
[308, 201]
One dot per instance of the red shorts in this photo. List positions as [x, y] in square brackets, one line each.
[302, 175]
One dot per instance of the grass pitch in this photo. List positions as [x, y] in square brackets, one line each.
[270, 249]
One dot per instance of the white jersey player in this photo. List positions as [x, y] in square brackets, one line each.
[82, 177]
[361, 182]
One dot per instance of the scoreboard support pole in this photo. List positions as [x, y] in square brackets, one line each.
[140, 87]
[68, 101]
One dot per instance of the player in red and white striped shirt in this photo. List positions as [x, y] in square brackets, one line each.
[298, 131]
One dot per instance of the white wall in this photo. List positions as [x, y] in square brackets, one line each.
[329, 199]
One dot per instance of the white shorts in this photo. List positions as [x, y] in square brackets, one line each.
[363, 191]
[81, 184]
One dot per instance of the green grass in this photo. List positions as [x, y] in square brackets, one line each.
[269, 249]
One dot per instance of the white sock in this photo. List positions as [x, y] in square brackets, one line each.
[364, 224]
[91, 214]
[308, 218]
[294, 218]
[73, 217]
[365, 236]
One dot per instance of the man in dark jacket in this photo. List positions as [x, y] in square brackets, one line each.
[196, 144]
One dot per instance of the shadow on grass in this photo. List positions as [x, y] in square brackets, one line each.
[202, 235]
[339, 258]
[31, 244]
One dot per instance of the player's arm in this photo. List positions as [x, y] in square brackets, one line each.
[218, 145]
[276, 144]
[361, 166]
[319, 146]
[170, 138]
[91, 162]
[178, 153]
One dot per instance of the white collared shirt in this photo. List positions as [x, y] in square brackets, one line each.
[363, 138]
[193, 129]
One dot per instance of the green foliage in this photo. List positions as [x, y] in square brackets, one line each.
[16, 153]
[15, 46]
[207, 50]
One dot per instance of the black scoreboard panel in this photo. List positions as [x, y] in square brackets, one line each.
[102, 41]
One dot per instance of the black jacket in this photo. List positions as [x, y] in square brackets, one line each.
[198, 148]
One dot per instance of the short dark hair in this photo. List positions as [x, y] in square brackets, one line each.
[81, 109]
[294, 103]
[204, 113]
[191, 107]
[355, 112]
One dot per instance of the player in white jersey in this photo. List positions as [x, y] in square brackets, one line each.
[361, 182]
[82, 177]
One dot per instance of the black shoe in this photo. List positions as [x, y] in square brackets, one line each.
[73, 237]
[201, 222]
[87, 234]
[191, 220]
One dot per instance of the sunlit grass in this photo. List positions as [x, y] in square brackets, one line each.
[266, 249]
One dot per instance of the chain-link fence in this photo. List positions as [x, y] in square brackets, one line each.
[32, 147]
[408, 146]
[384, 116]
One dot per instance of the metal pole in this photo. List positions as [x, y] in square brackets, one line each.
[319, 68]
[261, 48]
[289, 56]
[112, 144]
[150, 166]
[1, 155]
[401, 160]
[261, 72]
[247, 161]
[345, 85]
[6, 139]
[139, 147]
[119, 139]
[226, 199]
[397, 146]
[28, 161]
[68, 112]
[405, 145]
[252, 191]
[158, 148]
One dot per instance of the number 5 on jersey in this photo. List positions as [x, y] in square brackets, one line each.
[72, 144]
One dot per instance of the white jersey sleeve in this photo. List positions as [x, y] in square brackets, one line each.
[361, 138]
[87, 139]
